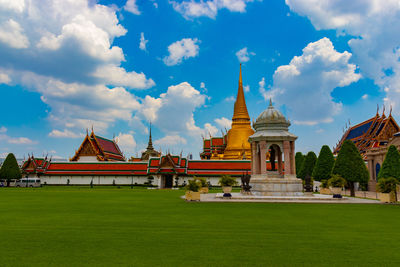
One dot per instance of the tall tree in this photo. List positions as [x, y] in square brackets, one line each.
[391, 164]
[10, 169]
[299, 158]
[308, 165]
[323, 166]
[350, 165]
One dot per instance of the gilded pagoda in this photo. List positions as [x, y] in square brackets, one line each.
[234, 144]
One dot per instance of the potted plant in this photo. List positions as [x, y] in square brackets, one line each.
[204, 185]
[227, 182]
[192, 190]
[387, 189]
[336, 183]
[324, 187]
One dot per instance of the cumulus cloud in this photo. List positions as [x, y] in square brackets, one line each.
[373, 26]
[132, 7]
[223, 122]
[246, 88]
[63, 134]
[126, 142]
[14, 140]
[306, 84]
[70, 59]
[4, 78]
[170, 140]
[143, 42]
[209, 8]
[243, 55]
[180, 50]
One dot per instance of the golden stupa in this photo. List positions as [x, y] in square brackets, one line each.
[238, 146]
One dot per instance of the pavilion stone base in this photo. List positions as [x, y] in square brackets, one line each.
[264, 185]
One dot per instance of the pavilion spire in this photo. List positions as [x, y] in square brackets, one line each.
[240, 109]
[150, 144]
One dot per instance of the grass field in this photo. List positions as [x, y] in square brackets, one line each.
[71, 226]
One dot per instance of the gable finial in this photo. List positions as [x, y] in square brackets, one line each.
[92, 128]
[383, 113]
[270, 102]
[377, 109]
[390, 114]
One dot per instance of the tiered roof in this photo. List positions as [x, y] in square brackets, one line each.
[374, 132]
[103, 148]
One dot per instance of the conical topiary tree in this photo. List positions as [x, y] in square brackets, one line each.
[308, 165]
[323, 166]
[299, 158]
[350, 165]
[10, 169]
[391, 164]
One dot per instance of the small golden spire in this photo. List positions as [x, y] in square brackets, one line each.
[240, 109]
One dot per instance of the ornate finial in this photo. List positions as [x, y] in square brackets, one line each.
[270, 102]
[87, 131]
[92, 128]
[390, 114]
[377, 109]
[383, 113]
[240, 74]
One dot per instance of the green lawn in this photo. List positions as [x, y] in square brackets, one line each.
[70, 226]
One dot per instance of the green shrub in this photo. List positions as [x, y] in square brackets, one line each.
[336, 181]
[323, 166]
[350, 165]
[299, 158]
[391, 164]
[308, 165]
[387, 185]
[202, 181]
[193, 185]
[227, 180]
[324, 184]
[10, 169]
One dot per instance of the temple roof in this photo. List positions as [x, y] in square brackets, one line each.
[104, 149]
[373, 132]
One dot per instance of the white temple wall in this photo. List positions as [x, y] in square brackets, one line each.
[119, 179]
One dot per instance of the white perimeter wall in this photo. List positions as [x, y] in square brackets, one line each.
[119, 180]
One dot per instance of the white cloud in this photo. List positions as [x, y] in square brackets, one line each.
[306, 84]
[63, 134]
[126, 142]
[11, 34]
[143, 42]
[246, 88]
[243, 55]
[117, 76]
[64, 50]
[171, 140]
[209, 8]
[230, 98]
[132, 7]
[183, 49]
[20, 141]
[14, 140]
[365, 96]
[373, 27]
[223, 122]
[4, 78]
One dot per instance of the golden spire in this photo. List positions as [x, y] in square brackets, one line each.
[240, 109]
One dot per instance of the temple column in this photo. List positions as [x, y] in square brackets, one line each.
[280, 169]
[292, 159]
[263, 152]
[254, 158]
[286, 154]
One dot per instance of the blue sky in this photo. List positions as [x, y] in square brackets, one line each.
[116, 65]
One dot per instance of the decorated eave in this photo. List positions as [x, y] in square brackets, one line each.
[104, 149]
[372, 133]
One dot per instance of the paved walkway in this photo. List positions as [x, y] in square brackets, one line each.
[365, 194]
[316, 198]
